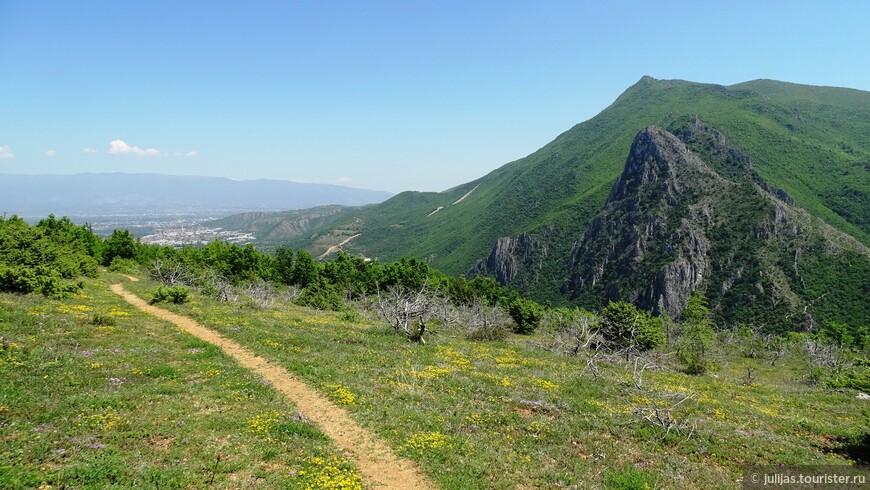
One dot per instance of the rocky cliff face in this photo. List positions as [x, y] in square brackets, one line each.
[508, 256]
[689, 212]
[653, 226]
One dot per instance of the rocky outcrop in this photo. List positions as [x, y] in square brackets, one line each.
[651, 227]
[689, 212]
[508, 256]
[676, 222]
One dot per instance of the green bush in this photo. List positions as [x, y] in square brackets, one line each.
[175, 294]
[622, 326]
[856, 379]
[124, 266]
[836, 333]
[695, 347]
[26, 280]
[629, 478]
[321, 295]
[100, 320]
[350, 315]
[21, 280]
[526, 315]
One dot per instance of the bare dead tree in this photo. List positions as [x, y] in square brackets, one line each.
[408, 311]
[481, 321]
[576, 334]
[170, 272]
[821, 354]
[749, 378]
[367, 306]
[262, 294]
[747, 339]
[216, 284]
[290, 293]
[660, 413]
[641, 365]
[777, 347]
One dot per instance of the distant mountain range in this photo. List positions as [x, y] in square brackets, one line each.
[757, 194]
[101, 194]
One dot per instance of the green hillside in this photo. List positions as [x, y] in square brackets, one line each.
[273, 229]
[813, 143]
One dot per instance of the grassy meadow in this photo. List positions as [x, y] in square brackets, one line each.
[509, 414]
[95, 394]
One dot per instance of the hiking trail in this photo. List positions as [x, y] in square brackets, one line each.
[379, 466]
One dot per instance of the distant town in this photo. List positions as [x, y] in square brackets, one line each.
[196, 234]
[157, 229]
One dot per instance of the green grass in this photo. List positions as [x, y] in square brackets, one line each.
[132, 402]
[490, 415]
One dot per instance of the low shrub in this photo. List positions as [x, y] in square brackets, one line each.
[26, 280]
[100, 320]
[175, 294]
[629, 478]
[321, 295]
[856, 379]
[623, 325]
[124, 266]
[526, 315]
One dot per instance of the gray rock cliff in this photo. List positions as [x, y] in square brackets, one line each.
[651, 227]
[508, 255]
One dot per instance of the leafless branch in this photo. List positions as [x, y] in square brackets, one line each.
[170, 272]
[408, 311]
[660, 413]
[262, 293]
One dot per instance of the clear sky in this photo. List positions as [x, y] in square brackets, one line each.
[378, 94]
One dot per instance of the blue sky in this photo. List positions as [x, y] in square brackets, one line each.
[386, 95]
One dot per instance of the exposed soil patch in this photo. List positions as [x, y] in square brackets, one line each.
[335, 248]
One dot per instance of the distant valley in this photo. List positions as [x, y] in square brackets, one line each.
[153, 203]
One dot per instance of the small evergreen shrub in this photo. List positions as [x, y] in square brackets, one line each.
[21, 280]
[526, 315]
[623, 325]
[697, 343]
[856, 379]
[124, 266]
[26, 280]
[349, 315]
[175, 294]
[629, 478]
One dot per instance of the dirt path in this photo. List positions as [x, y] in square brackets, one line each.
[379, 466]
[336, 248]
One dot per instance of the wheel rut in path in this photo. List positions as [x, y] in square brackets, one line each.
[378, 464]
